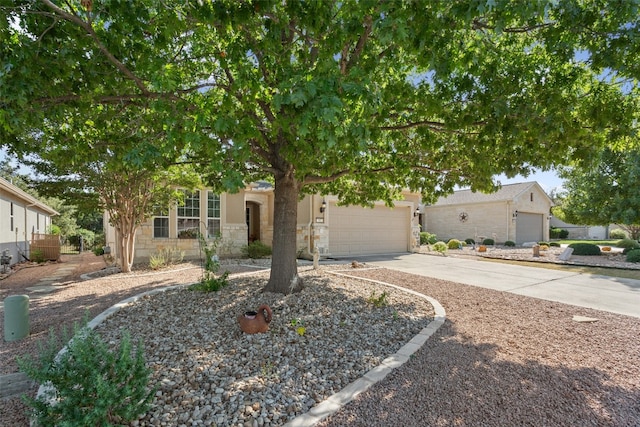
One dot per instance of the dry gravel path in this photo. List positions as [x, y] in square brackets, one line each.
[500, 359]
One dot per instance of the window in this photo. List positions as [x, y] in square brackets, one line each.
[213, 214]
[531, 197]
[160, 222]
[189, 215]
[11, 215]
[38, 221]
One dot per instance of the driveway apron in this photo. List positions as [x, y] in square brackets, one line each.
[612, 294]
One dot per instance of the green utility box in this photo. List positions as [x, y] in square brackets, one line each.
[16, 317]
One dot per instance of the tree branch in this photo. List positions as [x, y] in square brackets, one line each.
[89, 29]
[479, 25]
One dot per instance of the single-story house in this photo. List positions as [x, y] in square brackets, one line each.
[242, 217]
[21, 217]
[516, 212]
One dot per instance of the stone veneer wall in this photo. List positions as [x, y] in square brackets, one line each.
[234, 237]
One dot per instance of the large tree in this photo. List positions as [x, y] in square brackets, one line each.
[355, 98]
[604, 190]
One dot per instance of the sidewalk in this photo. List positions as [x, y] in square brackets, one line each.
[612, 294]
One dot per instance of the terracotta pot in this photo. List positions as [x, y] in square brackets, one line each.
[255, 322]
[482, 248]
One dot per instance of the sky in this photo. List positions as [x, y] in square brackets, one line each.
[548, 180]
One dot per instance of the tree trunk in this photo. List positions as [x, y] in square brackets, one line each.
[284, 268]
[125, 239]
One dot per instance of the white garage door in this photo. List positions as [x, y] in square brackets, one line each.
[529, 227]
[354, 230]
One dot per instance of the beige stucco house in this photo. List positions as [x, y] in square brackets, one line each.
[245, 216]
[21, 216]
[516, 212]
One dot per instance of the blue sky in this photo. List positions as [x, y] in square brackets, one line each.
[548, 180]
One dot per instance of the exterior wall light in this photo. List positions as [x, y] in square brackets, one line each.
[416, 212]
[323, 206]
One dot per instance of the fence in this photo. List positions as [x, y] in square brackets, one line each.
[47, 246]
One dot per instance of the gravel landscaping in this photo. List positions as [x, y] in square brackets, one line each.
[500, 359]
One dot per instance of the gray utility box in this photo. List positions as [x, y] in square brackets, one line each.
[16, 317]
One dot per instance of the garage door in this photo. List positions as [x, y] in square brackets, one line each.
[354, 230]
[529, 227]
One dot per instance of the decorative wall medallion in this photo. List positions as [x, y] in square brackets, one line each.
[463, 216]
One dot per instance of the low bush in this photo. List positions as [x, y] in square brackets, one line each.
[510, 243]
[554, 244]
[470, 241]
[628, 244]
[490, 242]
[90, 384]
[165, 257]
[37, 255]
[543, 243]
[454, 244]
[211, 283]
[617, 233]
[427, 238]
[558, 233]
[256, 249]
[633, 255]
[440, 247]
[585, 249]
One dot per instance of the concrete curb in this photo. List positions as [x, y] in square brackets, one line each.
[336, 401]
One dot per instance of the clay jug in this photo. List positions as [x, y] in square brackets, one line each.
[254, 322]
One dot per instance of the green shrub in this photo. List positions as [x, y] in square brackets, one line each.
[211, 283]
[554, 244]
[454, 244]
[558, 233]
[440, 247]
[91, 385]
[427, 238]
[628, 244]
[510, 243]
[543, 243]
[37, 255]
[633, 255]
[617, 233]
[488, 242]
[256, 249]
[585, 249]
[470, 241]
[165, 257]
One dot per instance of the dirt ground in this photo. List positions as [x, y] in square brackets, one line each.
[28, 274]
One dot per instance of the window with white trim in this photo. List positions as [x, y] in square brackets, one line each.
[160, 222]
[189, 215]
[11, 216]
[213, 214]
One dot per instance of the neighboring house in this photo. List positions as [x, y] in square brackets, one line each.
[516, 212]
[21, 215]
[247, 215]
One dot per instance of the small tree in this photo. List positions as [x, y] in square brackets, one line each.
[604, 190]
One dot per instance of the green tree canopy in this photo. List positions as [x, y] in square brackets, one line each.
[604, 190]
[354, 98]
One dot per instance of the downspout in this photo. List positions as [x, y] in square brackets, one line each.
[508, 218]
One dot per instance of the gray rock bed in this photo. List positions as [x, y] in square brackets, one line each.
[210, 373]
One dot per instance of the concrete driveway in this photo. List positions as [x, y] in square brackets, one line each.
[616, 295]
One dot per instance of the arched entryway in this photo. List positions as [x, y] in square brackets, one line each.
[253, 221]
